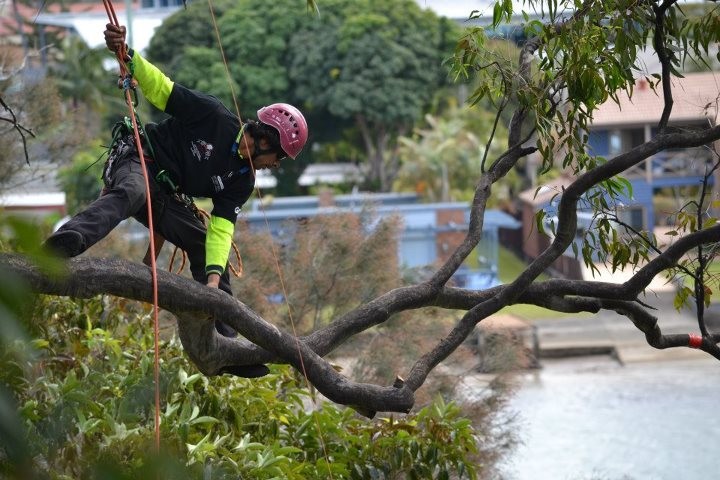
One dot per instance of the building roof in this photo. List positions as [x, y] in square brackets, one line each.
[695, 98]
[32, 200]
[34, 186]
[330, 173]
[492, 218]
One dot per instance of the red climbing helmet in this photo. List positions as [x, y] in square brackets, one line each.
[289, 122]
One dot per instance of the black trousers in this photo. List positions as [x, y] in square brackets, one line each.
[124, 197]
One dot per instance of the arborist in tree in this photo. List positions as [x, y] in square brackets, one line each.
[201, 150]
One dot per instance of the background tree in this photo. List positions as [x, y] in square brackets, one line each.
[82, 79]
[256, 39]
[64, 104]
[436, 159]
[582, 59]
[38, 108]
[330, 265]
[374, 65]
[377, 63]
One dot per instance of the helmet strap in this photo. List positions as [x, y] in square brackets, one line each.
[236, 146]
[259, 131]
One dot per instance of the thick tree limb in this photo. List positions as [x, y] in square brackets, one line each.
[194, 305]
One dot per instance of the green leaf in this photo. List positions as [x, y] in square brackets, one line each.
[203, 419]
[539, 223]
[194, 448]
[497, 14]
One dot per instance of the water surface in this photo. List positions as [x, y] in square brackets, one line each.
[595, 419]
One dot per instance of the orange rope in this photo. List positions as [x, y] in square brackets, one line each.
[272, 246]
[124, 71]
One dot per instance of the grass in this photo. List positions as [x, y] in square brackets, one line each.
[712, 278]
[509, 267]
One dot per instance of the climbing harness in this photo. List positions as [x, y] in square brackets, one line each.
[123, 140]
[122, 134]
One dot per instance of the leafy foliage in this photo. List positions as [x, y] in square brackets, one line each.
[584, 59]
[76, 401]
[83, 388]
[378, 63]
[437, 160]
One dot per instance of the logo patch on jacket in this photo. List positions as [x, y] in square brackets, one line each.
[201, 150]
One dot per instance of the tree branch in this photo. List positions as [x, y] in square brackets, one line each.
[22, 131]
[194, 306]
[665, 61]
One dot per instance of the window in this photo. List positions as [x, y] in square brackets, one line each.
[161, 3]
[626, 139]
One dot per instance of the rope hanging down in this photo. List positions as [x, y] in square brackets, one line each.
[128, 84]
[272, 247]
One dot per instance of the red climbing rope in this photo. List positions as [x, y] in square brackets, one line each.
[127, 86]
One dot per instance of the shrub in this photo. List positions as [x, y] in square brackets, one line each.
[83, 392]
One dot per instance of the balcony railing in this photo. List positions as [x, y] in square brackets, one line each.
[674, 163]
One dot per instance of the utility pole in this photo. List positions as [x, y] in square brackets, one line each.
[128, 11]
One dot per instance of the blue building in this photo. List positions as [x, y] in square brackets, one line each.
[618, 128]
[430, 231]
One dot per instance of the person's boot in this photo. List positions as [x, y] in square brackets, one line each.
[246, 371]
[65, 244]
[225, 330]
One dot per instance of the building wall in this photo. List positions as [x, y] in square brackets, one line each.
[599, 142]
[429, 233]
[452, 229]
[651, 175]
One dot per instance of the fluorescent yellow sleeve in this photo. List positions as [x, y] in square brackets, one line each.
[154, 84]
[217, 244]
